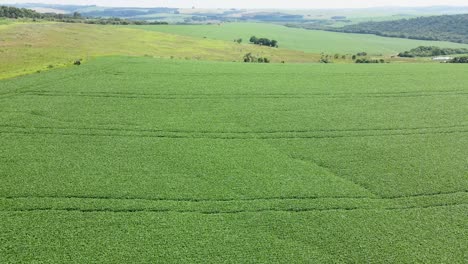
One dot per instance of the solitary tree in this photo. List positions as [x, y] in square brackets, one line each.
[274, 43]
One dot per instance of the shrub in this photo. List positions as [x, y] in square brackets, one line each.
[459, 60]
[366, 60]
[251, 58]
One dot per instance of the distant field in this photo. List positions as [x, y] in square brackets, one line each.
[311, 41]
[27, 47]
[148, 160]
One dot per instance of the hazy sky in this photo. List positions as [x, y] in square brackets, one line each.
[251, 3]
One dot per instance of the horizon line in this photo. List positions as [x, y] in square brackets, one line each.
[248, 8]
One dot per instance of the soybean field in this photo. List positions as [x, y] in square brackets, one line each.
[144, 160]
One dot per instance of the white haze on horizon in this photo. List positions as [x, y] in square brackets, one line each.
[266, 4]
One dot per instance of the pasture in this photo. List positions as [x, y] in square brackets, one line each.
[126, 159]
[310, 41]
[30, 47]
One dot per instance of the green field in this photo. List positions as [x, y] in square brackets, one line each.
[148, 160]
[312, 41]
[29, 47]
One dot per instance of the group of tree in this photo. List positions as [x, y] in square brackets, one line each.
[452, 28]
[17, 13]
[357, 58]
[239, 40]
[264, 42]
[326, 58]
[251, 58]
[359, 54]
[430, 51]
[13, 12]
[366, 60]
[111, 21]
[459, 60]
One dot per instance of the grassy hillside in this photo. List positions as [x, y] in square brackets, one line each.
[28, 47]
[300, 39]
[142, 160]
[446, 28]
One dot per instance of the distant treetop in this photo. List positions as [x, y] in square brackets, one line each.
[16, 13]
[430, 51]
[264, 42]
[452, 28]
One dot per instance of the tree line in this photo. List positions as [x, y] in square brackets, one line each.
[430, 51]
[366, 60]
[17, 13]
[13, 12]
[459, 60]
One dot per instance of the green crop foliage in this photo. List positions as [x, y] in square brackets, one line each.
[312, 41]
[127, 159]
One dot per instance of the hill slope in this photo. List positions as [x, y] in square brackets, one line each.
[313, 41]
[27, 48]
[452, 28]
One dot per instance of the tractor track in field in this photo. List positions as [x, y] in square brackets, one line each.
[198, 200]
[190, 200]
[226, 135]
[218, 212]
[120, 129]
[233, 96]
[234, 211]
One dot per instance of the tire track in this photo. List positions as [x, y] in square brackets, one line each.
[217, 212]
[249, 94]
[346, 180]
[214, 96]
[119, 129]
[198, 200]
[227, 136]
[227, 206]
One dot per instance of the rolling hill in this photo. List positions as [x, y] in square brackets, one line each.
[30, 47]
[312, 41]
[452, 28]
[162, 147]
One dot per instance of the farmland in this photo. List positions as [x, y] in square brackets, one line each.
[311, 41]
[30, 47]
[127, 159]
